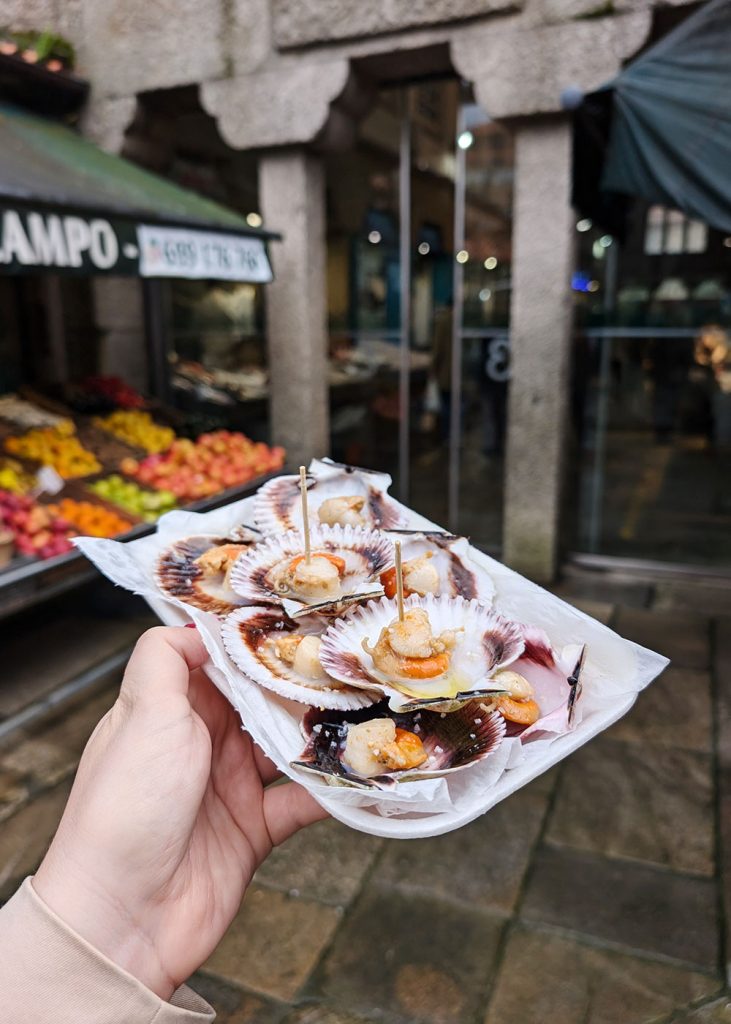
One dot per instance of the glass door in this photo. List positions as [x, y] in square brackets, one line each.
[652, 393]
[419, 254]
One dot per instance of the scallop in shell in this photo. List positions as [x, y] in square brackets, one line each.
[260, 574]
[556, 677]
[196, 570]
[451, 742]
[336, 495]
[256, 640]
[439, 563]
[484, 642]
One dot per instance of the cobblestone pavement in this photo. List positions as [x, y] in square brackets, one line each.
[596, 895]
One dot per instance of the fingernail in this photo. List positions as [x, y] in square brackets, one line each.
[190, 625]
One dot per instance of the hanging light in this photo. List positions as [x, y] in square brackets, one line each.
[584, 225]
[462, 256]
[490, 263]
[424, 248]
[465, 140]
[374, 237]
[605, 241]
[253, 220]
[484, 295]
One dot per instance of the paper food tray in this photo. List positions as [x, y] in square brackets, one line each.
[615, 671]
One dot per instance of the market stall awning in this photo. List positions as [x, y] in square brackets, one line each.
[68, 206]
[662, 129]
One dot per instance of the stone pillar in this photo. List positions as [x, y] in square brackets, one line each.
[120, 321]
[540, 331]
[292, 199]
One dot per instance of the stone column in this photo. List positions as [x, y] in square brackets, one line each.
[292, 198]
[120, 321]
[540, 331]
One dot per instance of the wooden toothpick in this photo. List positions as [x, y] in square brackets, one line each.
[305, 519]
[399, 582]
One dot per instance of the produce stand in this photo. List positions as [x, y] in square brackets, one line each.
[68, 209]
[26, 581]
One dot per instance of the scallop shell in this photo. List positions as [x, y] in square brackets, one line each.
[278, 508]
[245, 635]
[556, 677]
[487, 643]
[459, 576]
[178, 575]
[366, 554]
[453, 742]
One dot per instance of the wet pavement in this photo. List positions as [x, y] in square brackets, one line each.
[596, 895]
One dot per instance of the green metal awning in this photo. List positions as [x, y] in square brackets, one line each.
[68, 206]
[662, 129]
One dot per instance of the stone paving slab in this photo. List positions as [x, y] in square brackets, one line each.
[409, 959]
[634, 906]
[25, 837]
[630, 593]
[682, 636]
[34, 670]
[549, 979]
[274, 943]
[602, 611]
[232, 1005]
[481, 865]
[316, 1013]
[326, 862]
[722, 678]
[51, 751]
[628, 800]
[674, 711]
[717, 1012]
[715, 596]
[13, 792]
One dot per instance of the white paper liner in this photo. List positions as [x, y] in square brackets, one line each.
[616, 670]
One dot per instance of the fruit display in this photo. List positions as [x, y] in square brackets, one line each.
[57, 447]
[36, 529]
[198, 469]
[27, 415]
[14, 478]
[138, 429]
[117, 393]
[148, 505]
[90, 519]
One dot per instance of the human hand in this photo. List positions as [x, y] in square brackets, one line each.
[168, 819]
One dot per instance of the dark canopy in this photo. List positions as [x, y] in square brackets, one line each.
[662, 129]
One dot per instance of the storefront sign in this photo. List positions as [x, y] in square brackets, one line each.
[177, 252]
[35, 240]
[32, 240]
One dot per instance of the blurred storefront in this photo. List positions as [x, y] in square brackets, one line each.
[437, 312]
[409, 141]
[96, 257]
[652, 391]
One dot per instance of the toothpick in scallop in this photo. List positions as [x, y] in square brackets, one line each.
[399, 582]
[305, 518]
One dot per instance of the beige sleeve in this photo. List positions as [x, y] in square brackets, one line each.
[50, 975]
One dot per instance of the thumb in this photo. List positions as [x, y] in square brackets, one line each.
[288, 808]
